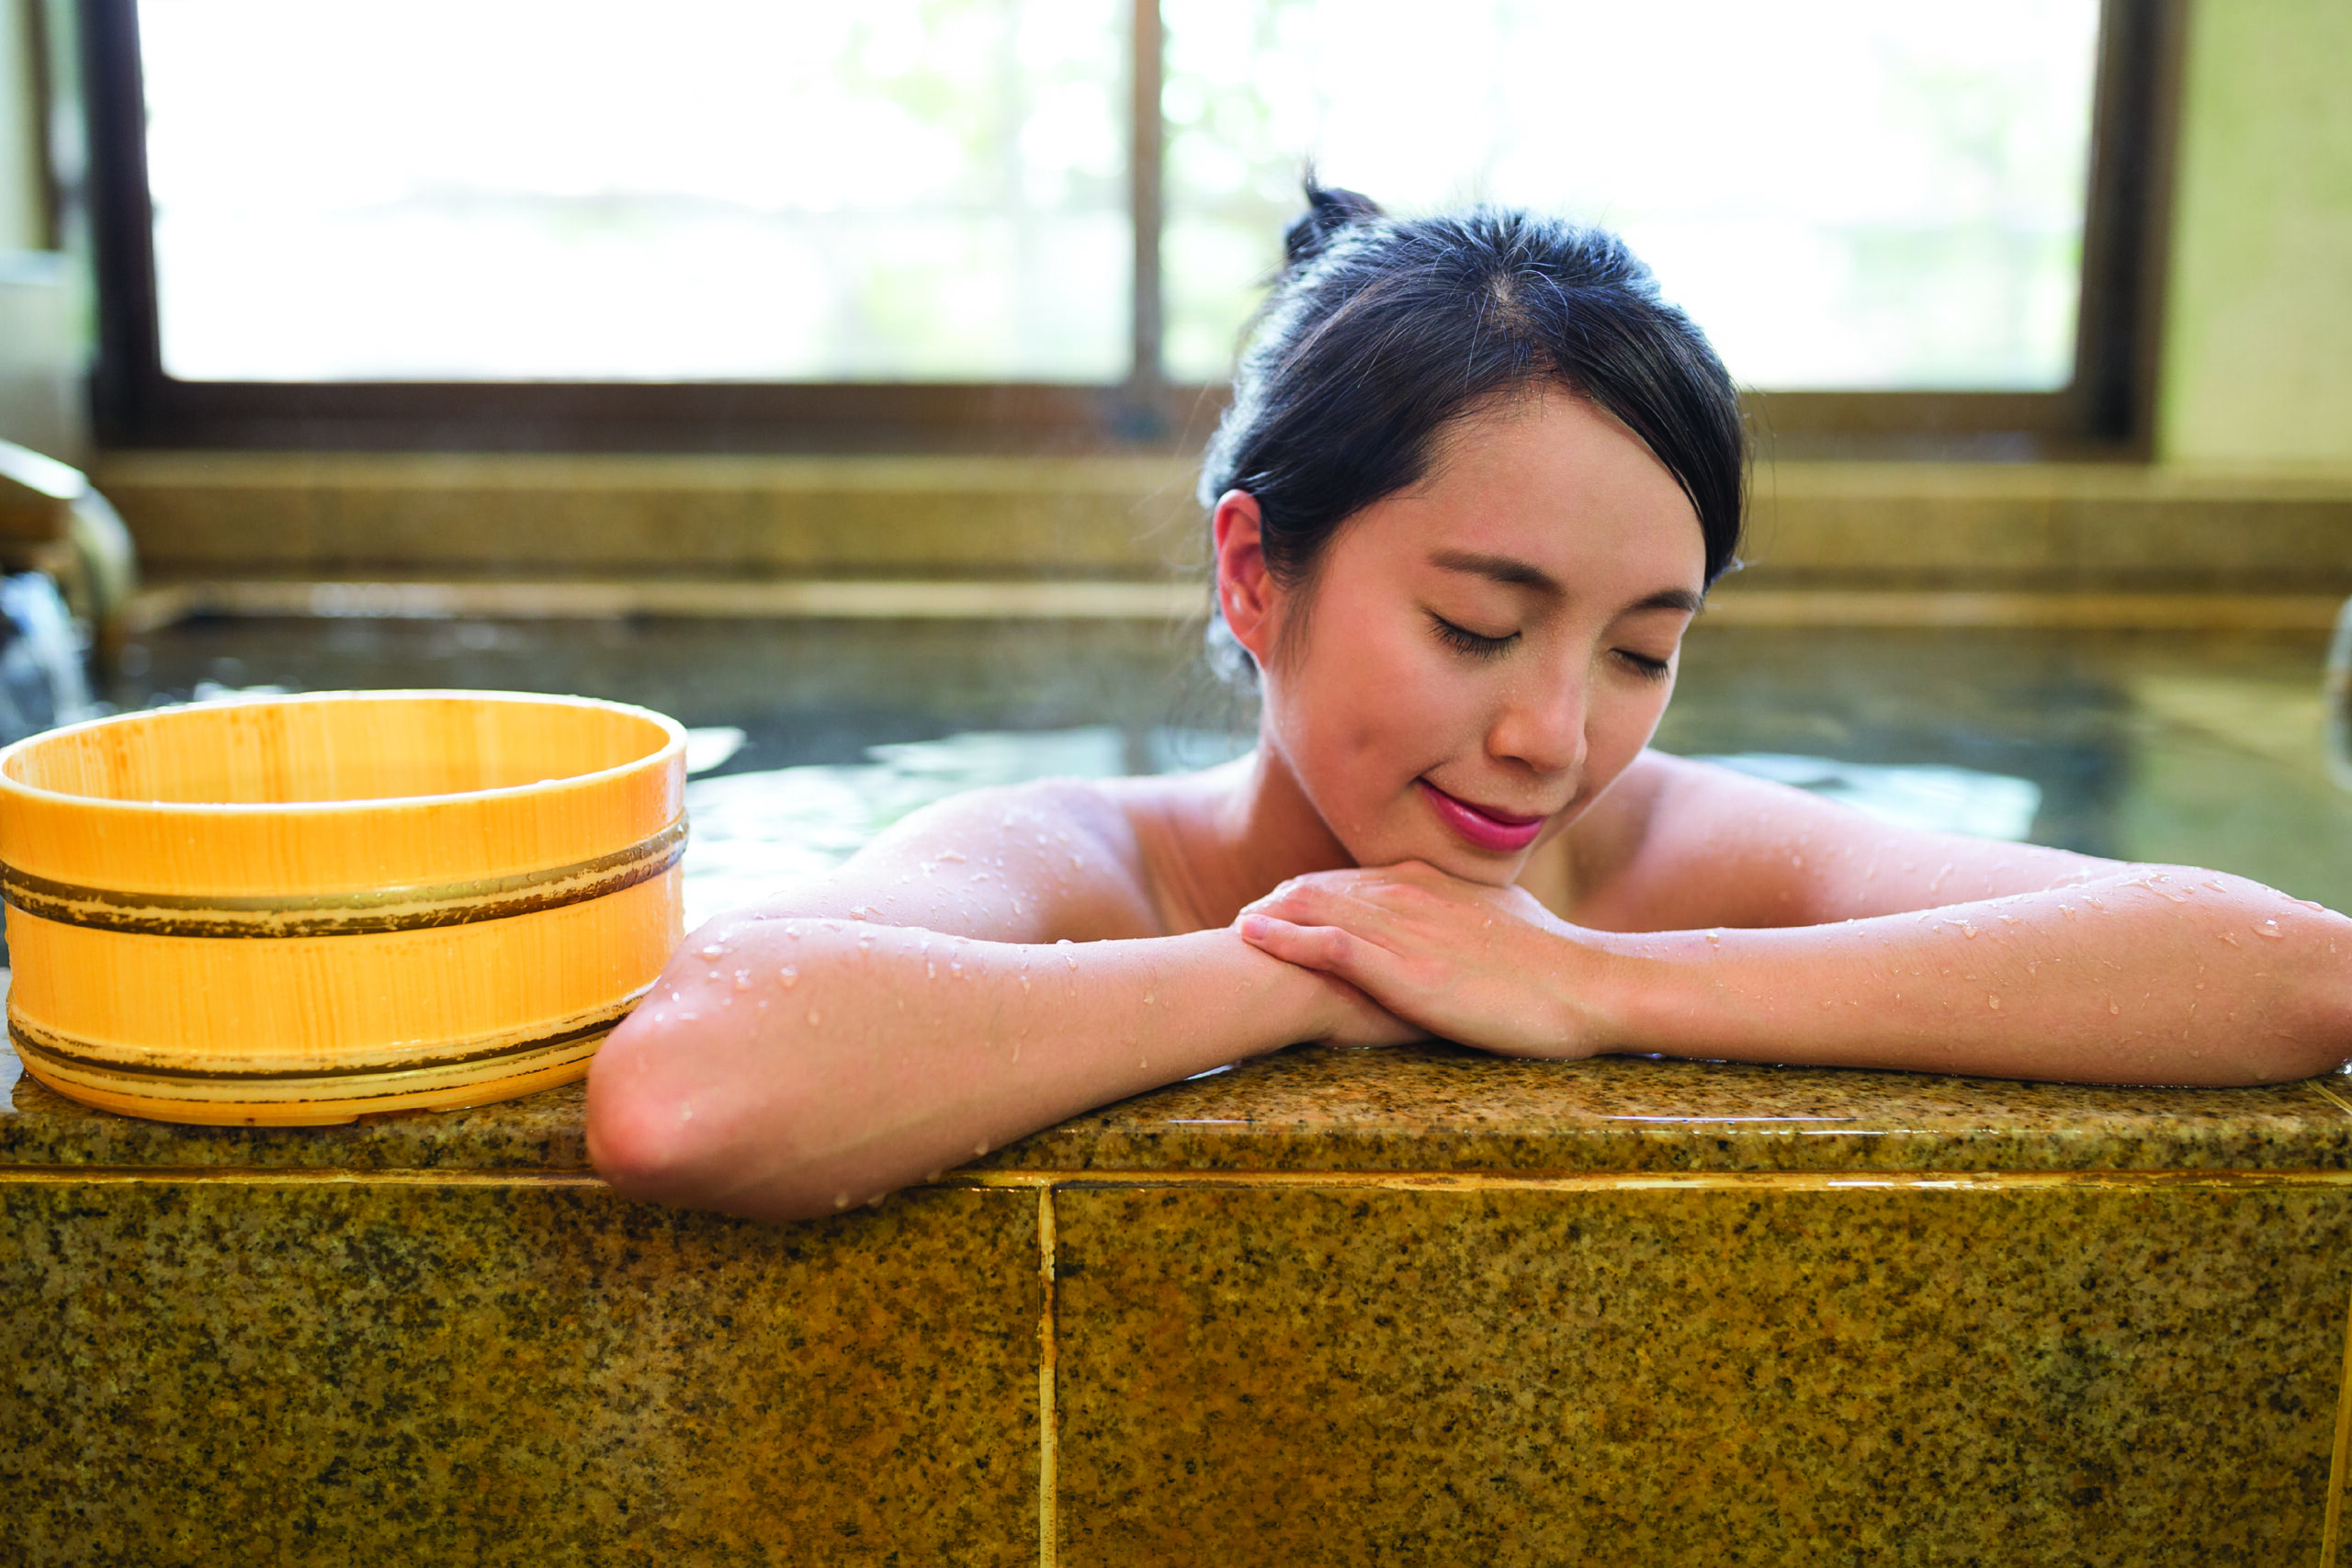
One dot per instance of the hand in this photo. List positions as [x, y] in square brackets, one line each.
[1487, 967]
[1347, 1017]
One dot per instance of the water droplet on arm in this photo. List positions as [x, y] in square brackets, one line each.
[789, 976]
[2270, 928]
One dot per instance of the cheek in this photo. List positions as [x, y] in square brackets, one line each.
[1361, 726]
[1624, 724]
[1405, 709]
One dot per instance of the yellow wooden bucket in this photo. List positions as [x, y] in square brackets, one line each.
[298, 909]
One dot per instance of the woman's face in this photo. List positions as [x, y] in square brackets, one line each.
[1478, 657]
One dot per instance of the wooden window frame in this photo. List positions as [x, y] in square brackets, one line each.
[2106, 410]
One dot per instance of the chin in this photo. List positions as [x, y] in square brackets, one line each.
[1494, 871]
[1456, 859]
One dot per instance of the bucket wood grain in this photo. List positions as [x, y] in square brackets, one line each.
[301, 909]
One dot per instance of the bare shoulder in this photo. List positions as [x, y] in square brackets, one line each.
[1603, 843]
[1027, 863]
[1681, 844]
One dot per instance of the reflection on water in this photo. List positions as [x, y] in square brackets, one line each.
[757, 833]
[1924, 795]
[2205, 749]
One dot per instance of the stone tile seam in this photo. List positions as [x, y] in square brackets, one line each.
[1049, 1524]
[1630, 1181]
[2331, 1540]
[288, 1176]
[1332, 1181]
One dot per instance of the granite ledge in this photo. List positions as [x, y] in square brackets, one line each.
[1424, 1108]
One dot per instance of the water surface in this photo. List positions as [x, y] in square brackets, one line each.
[2204, 750]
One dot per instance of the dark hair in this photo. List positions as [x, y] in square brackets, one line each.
[1380, 331]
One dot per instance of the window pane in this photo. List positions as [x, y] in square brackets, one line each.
[1845, 193]
[575, 189]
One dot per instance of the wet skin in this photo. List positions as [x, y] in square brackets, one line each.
[1450, 827]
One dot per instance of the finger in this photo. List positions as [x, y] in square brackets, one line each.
[1321, 948]
[1328, 950]
[1291, 893]
[1306, 903]
[1298, 902]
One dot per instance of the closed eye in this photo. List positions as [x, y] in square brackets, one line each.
[1642, 664]
[1462, 639]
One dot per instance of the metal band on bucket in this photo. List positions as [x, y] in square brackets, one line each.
[51, 1052]
[366, 913]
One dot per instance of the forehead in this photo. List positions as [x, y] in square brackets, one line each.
[1552, 480]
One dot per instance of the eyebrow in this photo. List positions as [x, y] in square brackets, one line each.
[1513, 573]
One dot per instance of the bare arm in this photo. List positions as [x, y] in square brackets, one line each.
[1890, 949]
[987, 969]
[2152, 975]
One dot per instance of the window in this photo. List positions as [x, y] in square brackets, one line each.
[582, 191]
[1043, 222]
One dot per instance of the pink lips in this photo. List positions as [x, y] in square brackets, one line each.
[1498, 833]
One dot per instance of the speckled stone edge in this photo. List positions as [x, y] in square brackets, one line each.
[1431, 1108]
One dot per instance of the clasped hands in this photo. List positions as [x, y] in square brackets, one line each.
[1437, 956]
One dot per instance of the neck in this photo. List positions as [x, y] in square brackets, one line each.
[1258, 829]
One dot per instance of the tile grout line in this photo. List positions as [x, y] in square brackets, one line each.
[1623, 1180]
[1312, 1180]
[2331, 1536]
[299, 1176]
[1049, 1438]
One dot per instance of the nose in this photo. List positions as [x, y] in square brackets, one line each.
[1542, 725]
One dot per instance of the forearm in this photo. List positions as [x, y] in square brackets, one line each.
[2155, 975]
[790, 1068]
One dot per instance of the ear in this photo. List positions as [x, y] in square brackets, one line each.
[1246, 592]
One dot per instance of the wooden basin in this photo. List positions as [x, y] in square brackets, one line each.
[301, 909]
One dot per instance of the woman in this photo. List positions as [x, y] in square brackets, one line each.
[1474, 485]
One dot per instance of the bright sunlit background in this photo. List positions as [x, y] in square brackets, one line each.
[1846, 194]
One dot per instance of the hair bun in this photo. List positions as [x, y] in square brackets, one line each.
[1329, 211]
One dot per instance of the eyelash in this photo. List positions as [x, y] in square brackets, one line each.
[1648, 668]
[1464, 640]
